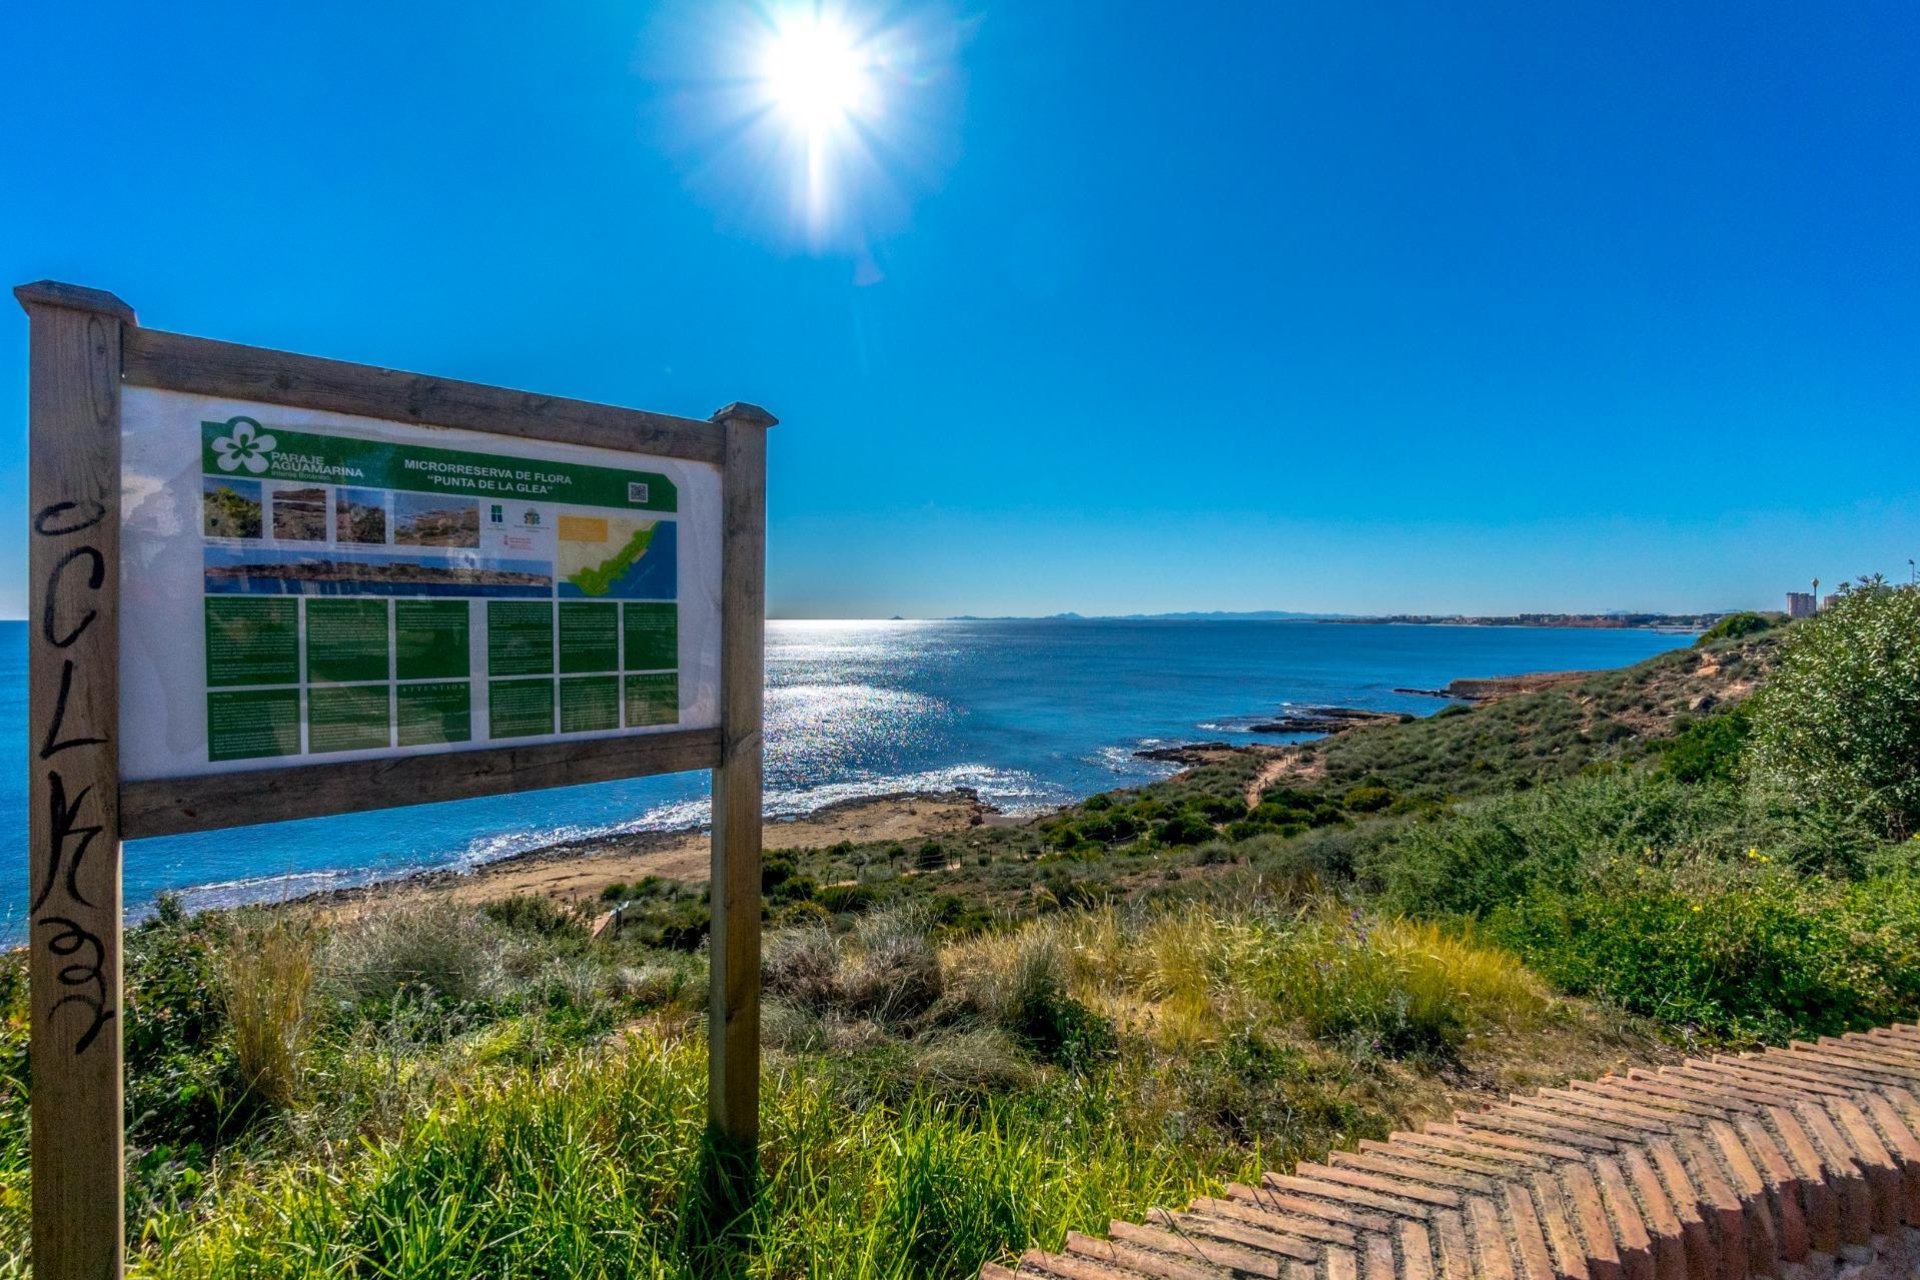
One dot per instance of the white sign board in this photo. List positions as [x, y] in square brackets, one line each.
[299, 586]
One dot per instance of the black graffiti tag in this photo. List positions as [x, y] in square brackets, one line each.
[83, 980]
[48, 612]
[71, 938]
[92, 513]
[63, 822]
[55, 744]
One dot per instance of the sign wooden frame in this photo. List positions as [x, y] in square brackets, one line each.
[85, 345]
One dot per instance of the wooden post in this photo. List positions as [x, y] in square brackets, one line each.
[73, 710]
[733, 1021]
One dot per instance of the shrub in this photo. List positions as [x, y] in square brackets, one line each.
[1752, 952]
[803, 967]
[1183, 829]
[1399, 986]
[533, 914]
[435, 945]
[1735, 626]
[1367, 798]
[1020, 984]
[1838, 722]
[183, 1082]
[1709, 750]
[897, 976]
[266, 979]
[843, 899]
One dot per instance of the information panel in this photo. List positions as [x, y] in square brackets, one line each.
[303, 586]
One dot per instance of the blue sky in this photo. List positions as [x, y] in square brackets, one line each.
[1116, 307]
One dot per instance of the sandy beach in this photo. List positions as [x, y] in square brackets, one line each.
[577, 870]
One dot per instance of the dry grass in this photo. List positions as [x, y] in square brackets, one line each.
[267, 987]
[1191, 975]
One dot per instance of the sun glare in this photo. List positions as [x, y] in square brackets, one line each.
[817, 75]
[831, 116]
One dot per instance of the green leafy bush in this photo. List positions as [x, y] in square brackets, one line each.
[1184, 829]
[1838, 723]
[1712, 749]
[1746, 952]
[1735, 626]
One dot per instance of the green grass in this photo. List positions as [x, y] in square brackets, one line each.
[932, 1099]
[590, 1168]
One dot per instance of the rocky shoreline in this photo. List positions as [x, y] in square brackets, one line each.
[1492, 688]
[576, 870]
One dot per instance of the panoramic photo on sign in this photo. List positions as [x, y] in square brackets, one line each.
[301, 584]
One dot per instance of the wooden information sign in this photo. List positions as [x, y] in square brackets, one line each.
[267, 586]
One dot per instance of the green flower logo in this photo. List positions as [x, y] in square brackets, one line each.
[247, 446]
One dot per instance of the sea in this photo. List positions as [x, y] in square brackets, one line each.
[1028, 714]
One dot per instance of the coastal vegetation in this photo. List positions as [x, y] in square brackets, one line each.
[980, 1040]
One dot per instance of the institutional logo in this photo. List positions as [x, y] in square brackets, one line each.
[246, 446]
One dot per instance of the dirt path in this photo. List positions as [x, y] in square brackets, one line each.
[1286, 764]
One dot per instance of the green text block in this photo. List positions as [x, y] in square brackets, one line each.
[519, 638]
[519, 708]
[256, 723]
[589, 704]
[430, 640]
[589, 638]
[346, 640]
[347, 717]
[653, 699]
[252, 642]
[653, 636]
[433, 713]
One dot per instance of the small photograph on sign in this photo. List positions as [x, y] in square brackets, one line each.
[360, 515]
[430, 520]
[246, 571]
[230, 508]
[300, 515]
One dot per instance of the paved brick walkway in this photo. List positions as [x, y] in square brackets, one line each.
[1785, 1162]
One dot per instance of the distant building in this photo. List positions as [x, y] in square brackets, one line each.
[1832, 599]
[1801, 604]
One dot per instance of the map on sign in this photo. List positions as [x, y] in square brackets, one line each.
[615, 556]
[379, 592]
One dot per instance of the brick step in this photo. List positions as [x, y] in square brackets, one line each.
[1776, 1163]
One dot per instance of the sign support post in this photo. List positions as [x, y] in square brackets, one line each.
[73, 718]
[733, 1019]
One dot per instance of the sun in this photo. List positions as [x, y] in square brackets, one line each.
[825, 118]
[818, 75]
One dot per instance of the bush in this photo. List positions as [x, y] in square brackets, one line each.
[1367, 798]
[1184, 829]
[897, 976]
[1494, 852]
[802, 966]
[265, 983]
[1398, 986]
[1838, 722]
[844, 899]
[183, 1082]
[1020, 985]
[1745, 952]
[1708, 750]
[1735, 626]
[393, 946]
[529, 913]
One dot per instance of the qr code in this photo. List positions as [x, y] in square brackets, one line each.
[636, 491]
